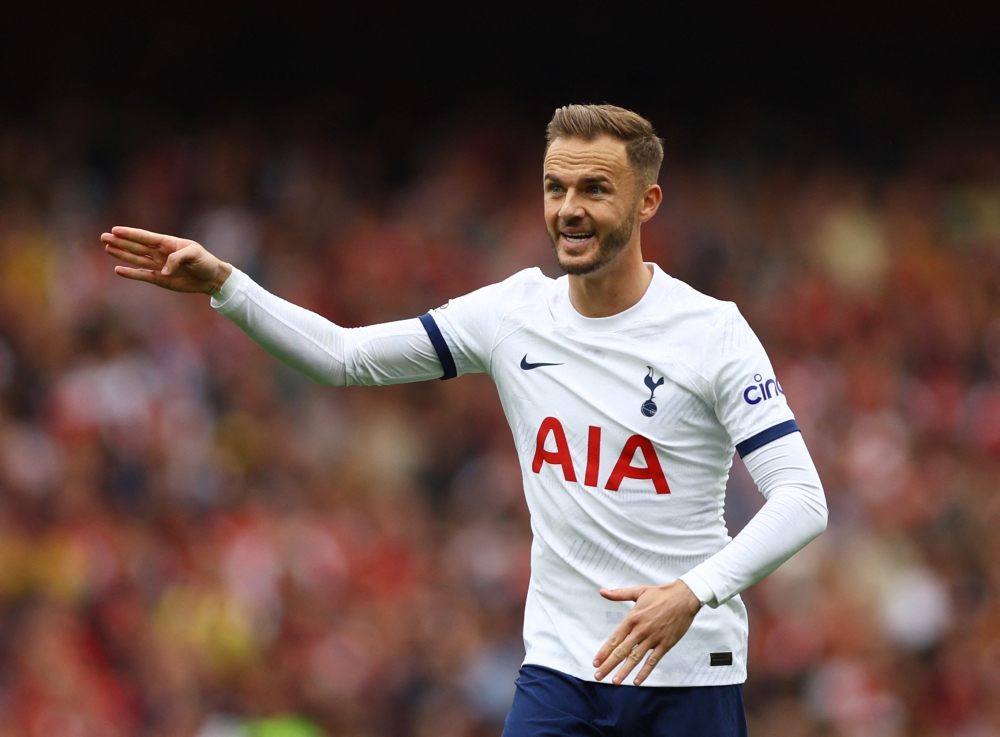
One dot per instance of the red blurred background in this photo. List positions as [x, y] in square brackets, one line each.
[194, 540]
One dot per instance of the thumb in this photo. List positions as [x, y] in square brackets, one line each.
[175, 259]
[630, 594]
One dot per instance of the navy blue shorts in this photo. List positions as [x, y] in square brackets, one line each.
[552, 704]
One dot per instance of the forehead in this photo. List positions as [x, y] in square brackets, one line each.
[576, 157]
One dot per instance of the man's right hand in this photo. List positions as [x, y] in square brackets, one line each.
[172, 263]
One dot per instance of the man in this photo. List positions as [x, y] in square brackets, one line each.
[627, 393]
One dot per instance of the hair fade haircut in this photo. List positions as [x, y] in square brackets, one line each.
[644, 149]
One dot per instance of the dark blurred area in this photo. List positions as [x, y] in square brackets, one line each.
[194, 540]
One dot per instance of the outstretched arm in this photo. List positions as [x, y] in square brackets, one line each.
[390, 353]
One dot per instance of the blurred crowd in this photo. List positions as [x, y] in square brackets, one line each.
[195, 541]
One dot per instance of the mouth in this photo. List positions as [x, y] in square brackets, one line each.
[575, 240]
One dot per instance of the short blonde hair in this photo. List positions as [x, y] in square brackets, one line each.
[644, 149]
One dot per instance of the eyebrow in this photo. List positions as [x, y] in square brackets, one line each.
[593, 179]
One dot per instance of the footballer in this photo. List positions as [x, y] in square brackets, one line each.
[627, 392]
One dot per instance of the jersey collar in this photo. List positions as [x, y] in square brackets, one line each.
[659, 284]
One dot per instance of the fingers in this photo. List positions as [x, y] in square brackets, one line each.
[183, 256]
[143, 262]
[617, 654]
[629, 594]
[654, 657]
[123, 244]
[630, 653]
[143, 242]
[660, 617]
[136, 274]
[608, 647]
[634, 657]
[145, 237]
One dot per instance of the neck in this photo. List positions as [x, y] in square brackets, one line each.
[614, 287]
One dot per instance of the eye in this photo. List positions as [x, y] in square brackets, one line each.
[595, 190]
[555, 188]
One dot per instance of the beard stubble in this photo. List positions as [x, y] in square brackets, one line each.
[608, 248]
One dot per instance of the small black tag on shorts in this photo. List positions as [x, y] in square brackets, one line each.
[721, 659]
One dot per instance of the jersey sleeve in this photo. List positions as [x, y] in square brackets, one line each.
[748, 398]
[464, 331]
[795, 513]
[389, 353]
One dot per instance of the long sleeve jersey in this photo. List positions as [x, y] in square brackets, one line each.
[625, 427]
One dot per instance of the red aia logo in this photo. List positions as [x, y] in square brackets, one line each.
[623, 468]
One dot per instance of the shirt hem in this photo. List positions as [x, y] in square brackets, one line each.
[667, 679]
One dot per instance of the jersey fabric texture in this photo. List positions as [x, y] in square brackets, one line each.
[625, 427]
[551, 704]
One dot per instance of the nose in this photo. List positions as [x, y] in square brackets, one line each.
[571, 207]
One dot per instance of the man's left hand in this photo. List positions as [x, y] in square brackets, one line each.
[660, 617]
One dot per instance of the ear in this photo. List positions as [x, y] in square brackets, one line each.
[650, 201]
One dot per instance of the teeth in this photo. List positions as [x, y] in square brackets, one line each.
[578, 236]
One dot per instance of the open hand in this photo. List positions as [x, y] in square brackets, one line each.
[173, 263]
[660, 617]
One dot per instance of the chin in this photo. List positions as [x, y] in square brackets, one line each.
[585, 263]
[606, 249]
[581, 267]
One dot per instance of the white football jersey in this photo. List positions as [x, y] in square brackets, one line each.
[625, 427]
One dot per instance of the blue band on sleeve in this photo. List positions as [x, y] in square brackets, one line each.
[766, 436]
[437, 340]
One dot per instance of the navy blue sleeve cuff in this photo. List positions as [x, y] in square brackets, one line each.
[440, 346]
[766, 436]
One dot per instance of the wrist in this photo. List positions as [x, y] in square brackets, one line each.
[691, 600]
[222, 274]
[699, 587]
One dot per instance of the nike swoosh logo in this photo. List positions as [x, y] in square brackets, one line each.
[528, 366]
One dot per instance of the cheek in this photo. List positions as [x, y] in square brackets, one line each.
[607, 216]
